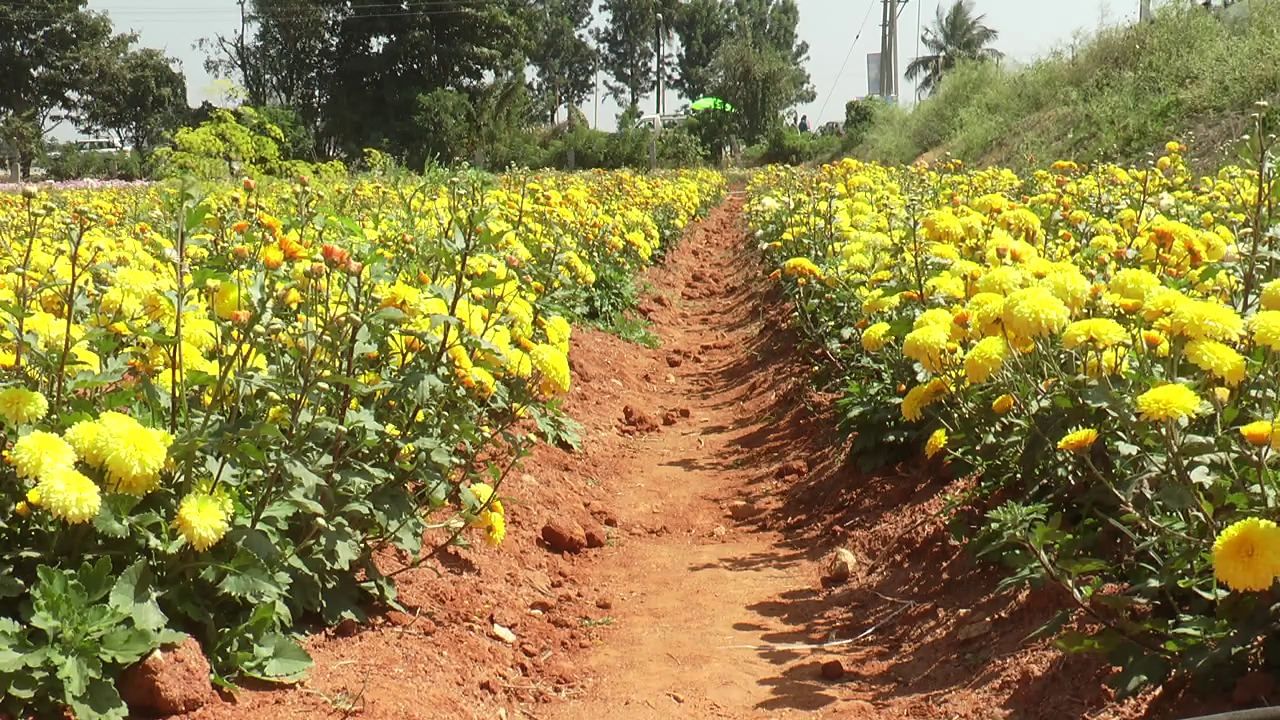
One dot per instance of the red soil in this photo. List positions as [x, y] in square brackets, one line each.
[710, 469]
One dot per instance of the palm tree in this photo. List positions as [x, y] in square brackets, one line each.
[956, 35]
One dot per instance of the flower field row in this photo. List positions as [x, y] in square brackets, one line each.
[219, 402]
[1097, 347]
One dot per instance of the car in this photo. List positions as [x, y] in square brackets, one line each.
[102, 146]
[658, 122]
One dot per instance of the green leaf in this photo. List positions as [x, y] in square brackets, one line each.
[133, 596]
[126, 645]
[96, 579]
[99, 701]
[288, 661]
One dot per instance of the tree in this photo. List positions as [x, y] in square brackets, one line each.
[702, 26]
[759, 69]
[562, 55]
[626, 44]
[956, 35]
[282, 56]
[137, 97]
[47, 51]
[354, 70]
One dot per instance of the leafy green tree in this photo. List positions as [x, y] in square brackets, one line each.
[702, 26]
[47, 51]
[562, 55]
[227, 144]
[284, 58]
[137, 97]
[759, 69]
[957, 34]
[627, 43]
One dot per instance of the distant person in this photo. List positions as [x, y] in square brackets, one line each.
[804, 123]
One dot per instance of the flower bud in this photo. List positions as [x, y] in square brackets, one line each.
[249, 184]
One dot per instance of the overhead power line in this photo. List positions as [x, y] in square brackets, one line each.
[870, 6]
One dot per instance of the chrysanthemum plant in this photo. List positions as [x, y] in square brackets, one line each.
[232, 409]
[1099, 346]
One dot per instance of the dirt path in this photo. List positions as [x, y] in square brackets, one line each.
[695, 598]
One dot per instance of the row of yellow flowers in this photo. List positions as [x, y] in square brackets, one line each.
[1098, 343]
[241, 392]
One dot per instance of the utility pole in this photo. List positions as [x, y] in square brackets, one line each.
[1144, 10]
[889, 48]
[658, 68]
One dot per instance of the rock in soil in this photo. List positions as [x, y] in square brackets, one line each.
[564, 536]
[595, 537]
[974, 630]
[171, 680]
[832, 670]
[792, 468]
[742, 510]
[640, 420]
[674, 360]
[841, 565]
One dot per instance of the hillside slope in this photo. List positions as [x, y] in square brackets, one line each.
[1190, 74]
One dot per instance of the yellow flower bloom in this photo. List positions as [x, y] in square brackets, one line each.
[1097, 333]
[553, 367]
[985, 359]
[1217, 359]
[874, 338]
[20, 406]
[1168, 402]
[936, 444]
[203, 519]
[1271, 295]
[1265, 327]
[1078, 440]
[801, 267]
[1003, 404]
[69, 495]
[1259, 432]
[38, 453]
[1034, 312]
[1246, 555]
[928, 346]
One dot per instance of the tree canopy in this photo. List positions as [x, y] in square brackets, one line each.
[957, 34]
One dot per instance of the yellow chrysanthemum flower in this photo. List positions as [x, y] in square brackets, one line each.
[936, 444]
[1003, 404]
[1205, 320]
[38, 453]
[1217, 359]
[1265, 327]
[1246, 555]
[1096, 333]
[1271, 295]
[1078, 440]
[69, 495]
[131, 454]
[553, 367]
[928, 346]
[801, 267]
[1168, 402]
[20, 406]
[203, 519]
[1259, 432]
[875, 337]
[985, 359]
[484, 493]
[1034, 313]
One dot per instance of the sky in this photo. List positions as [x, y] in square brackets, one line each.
[834, 29]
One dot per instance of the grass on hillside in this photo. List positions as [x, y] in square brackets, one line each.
[1189, 74]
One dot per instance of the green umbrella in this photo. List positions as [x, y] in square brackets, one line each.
[711, 103]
